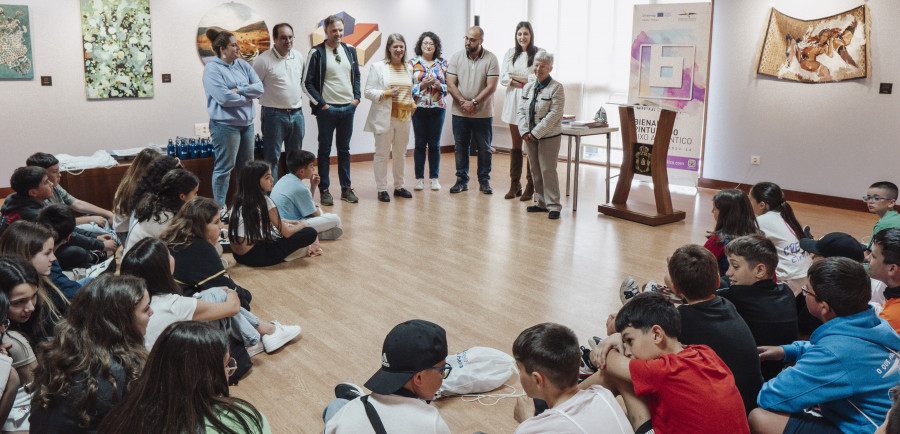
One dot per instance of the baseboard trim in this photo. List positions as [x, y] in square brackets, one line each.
[793, 196]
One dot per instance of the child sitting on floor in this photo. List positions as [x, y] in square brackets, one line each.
[548, 357]
[767, 307]
[295, 200]
[666, 385]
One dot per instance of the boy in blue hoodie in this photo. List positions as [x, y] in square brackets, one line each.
[846, 367]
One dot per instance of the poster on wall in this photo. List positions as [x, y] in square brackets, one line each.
[244, 23]
[15, 42]
[669, 64]
[118, 62]
[816, 51]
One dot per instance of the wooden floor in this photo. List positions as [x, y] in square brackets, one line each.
[477, 265]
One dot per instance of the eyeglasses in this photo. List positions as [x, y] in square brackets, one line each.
[868, 198]
[337, 57]
[230, 367]
[805, 290]
[428, 44]
[445, 370]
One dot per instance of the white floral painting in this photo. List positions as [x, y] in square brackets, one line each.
[117, 55]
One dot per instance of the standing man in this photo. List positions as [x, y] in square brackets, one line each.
[472, 77]
[332, 81]
[281, 71]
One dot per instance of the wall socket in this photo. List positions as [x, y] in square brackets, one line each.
[202, 130]
[754, 159]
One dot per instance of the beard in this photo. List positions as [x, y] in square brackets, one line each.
[473, 50]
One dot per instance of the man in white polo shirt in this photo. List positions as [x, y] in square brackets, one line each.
[281, 71]
[472, 77]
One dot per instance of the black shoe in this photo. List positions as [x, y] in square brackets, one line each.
[459, 187]
[535, 208]
[383, 196]
[486, 188]
[402, 192]
[554, 215]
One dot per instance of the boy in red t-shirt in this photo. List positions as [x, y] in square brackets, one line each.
[666, 386]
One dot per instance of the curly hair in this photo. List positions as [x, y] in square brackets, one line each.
[190, 222]
[250, 205]
[151, 179]
[435, 39]
[185, 371]
[168, 197]
[98, 333]
[122, 204]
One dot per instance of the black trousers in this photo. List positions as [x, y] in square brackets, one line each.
[266, 254]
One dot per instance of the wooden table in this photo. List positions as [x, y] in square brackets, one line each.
[577, 133]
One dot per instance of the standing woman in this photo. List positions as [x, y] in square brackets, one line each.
[429, 89]
[187, 372]
[231, 84]
[517, 71]
[389, 86]
[96, 353]
[540, 124]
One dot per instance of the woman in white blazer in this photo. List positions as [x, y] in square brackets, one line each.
[389, 86]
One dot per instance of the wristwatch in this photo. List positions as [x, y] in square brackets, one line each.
[475, 102]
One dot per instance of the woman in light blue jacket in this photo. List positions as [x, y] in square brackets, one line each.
[231, 84]
[389, 87]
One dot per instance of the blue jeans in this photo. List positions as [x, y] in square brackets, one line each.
[335, 120]
[243, 325]
[281, 126]
[232, 146]
[480, 133]
[333, 407]
[427, 124]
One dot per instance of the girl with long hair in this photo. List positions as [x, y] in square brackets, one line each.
[122, 205]
[94, 356]
[156, 209]
[151, 261]
[151, 178]
[19, 283]
[389, 87]
[429, 90]
[259, 236]
[734, 218]
[517, 71]
[777, 221]
[184, 388]
[34, 243]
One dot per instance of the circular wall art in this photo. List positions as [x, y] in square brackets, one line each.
[247, 26]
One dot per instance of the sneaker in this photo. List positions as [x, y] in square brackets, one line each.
[256, 349]
[402, 192]
[327, 199]
[348, 195]
[554, 215]
[283, 334]
[459, 187]
[223, 241]
[224, 216]
[348, 391]
[383, 196]
[594, 341]
[420, 184]
[652, 286]
[435, 185]
[587, 368]
[628, 289]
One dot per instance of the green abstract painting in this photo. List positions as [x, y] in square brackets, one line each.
[15, 42]
[117, 55]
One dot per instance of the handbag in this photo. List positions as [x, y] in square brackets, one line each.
[477, 370]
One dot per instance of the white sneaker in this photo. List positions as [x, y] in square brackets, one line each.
[256, 349]
[283, 334]
[435, 185]
[420, 184]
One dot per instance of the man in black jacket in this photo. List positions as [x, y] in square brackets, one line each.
[332, 81]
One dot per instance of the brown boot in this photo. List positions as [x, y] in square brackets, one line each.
[515, 174]
[529, 186]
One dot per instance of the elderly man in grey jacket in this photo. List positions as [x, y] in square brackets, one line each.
[540, 124]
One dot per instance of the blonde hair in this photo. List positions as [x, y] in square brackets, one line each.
[394, 37]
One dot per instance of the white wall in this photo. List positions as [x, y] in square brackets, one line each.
[832, 139]
[59, 119]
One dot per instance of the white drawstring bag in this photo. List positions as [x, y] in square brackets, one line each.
[477, 370]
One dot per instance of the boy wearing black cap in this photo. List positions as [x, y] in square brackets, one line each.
[833, 244]
[413, 366]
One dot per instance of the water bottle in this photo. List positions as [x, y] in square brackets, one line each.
[183, 151]
[195, 150]
[212, 149]
[170, 149]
